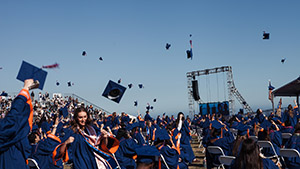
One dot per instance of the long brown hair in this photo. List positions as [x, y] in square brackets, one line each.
[237, 143]
[249, 156]
[75, 123]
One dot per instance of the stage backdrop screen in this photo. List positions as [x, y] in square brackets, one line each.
[214, 107]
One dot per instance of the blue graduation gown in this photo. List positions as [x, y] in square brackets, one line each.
[269, 164]
[45, 155]
[148, 117]
[140, 139]
[14, 128]
[293, 142]
[83, 154]
[186, 152]
[171, 157]
[125, 153]
[226, 143]
[276, 140]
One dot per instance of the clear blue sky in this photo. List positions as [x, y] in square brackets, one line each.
[131, 35]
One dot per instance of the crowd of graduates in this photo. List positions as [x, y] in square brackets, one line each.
[60, 131]
[238, 136]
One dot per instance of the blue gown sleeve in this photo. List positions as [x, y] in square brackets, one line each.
[15, 126]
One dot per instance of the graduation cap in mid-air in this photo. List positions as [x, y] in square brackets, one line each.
[282, 60]
[114, 91]
[141, 86]
[135, 103]
[266, 35]
[154, 100]
[148, 107]
[100, 58]
[84, 53]
[130, 85]
[29, 71]
[168, 46]
[57, 83]
[70, 83]
[119, 81]
[189, 54]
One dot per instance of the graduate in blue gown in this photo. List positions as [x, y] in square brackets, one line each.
[187, 153]
[14, 128]
[243, 134]
[90, 151]
[125, 119]
[169, 150]
[249, 157]
[52, 149]
[148, 117]
[270, 132]
[294, 143]
[126, 154]
[219, 136]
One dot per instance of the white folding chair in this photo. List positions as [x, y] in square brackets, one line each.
[286, 135]
[288, 152]
[255, 138]
[32, 163]
[216, 150]
[226, 160]
[268, 144]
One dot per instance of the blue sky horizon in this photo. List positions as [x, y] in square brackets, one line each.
[130, 36]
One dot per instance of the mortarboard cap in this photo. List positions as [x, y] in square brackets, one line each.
[266, 35]
[217, 125]
[265, 124]
[154, 100]
[57, 83]
[69, 84]
[189, 54]
[242, 129]
[168, 46]
[147, 154]
[84, 53]
[141, 86]
[235, 125]
[28, 71]
[130, 85]
[119, 81]
[282, 60]
[100, 58]
[132, 126]
[161, 134]
[135, 103]
[114, 91]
